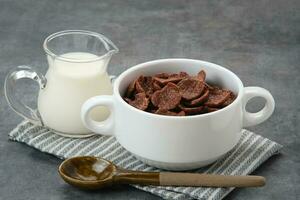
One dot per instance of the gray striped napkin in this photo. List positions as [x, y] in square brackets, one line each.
[251, 151]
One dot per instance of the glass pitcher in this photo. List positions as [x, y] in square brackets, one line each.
[77, 71]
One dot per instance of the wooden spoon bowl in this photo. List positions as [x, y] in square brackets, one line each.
[88, 172]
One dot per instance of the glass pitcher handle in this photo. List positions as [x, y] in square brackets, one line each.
[112, 79]
[15, 103]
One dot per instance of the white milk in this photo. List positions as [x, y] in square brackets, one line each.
[69, 85]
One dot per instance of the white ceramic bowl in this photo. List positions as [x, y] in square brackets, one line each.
[173, 142]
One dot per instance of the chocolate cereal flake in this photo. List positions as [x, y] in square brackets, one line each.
[140, 101]
[130, 89]
[217, 97]
[190, 88]
[192, 110]
[201, 75]
[166, 98]
[170, 113]
[144, 84]
[199, 100]
[209, 109]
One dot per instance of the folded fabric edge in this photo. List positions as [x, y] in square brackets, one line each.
[15, 140]
[163, 193]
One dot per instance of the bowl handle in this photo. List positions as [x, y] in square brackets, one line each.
[251, 119]
[104, 127]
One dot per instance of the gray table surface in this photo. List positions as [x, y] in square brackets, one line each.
[258, 40]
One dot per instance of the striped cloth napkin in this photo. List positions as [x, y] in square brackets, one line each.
[250, 152]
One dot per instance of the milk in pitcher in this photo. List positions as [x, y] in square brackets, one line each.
[69, 85]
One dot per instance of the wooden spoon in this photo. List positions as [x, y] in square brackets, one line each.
[89, 172]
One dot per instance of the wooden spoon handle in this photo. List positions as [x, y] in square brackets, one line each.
[209, 180]
[186, 179]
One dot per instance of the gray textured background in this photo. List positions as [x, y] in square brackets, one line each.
[258, 40]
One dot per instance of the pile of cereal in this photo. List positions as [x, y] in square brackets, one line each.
[177, 94]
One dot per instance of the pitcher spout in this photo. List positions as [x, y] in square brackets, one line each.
[109, 45]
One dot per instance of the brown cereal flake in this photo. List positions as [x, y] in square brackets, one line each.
[217, 97]
[166, 98]
[231, 98]
[130, 89]
[156, 86]
[163, 81]
[199, 100]
[209, 109]
[201, 75]
[162, 75]
[144, 84]
[192, 110]
[140, 101]
[170, 113]
[190, 88]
